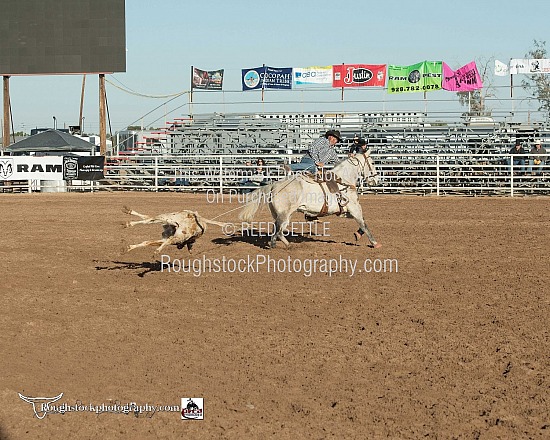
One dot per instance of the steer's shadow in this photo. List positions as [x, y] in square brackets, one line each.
[147, 266]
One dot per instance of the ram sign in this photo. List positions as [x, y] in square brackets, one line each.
[51, 167]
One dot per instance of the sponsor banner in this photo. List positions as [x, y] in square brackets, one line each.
[313, 75]
[252, 79]
[421, 77]
[278, 78]
[88, 167]
[207, 79]
[465, 79]
[51, 167]
[30, 168]
[501, 69]
[267, 78]
[358, 75]
[519, 66]
[529, 66]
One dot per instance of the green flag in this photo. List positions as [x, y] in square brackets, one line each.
[421, 77]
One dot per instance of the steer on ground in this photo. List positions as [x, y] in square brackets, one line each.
[179, 228]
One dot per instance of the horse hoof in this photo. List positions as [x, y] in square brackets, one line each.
[376, 245]
[357, 236]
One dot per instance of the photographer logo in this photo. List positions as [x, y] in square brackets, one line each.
[192, 408]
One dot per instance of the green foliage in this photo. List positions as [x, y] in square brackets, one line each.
[538, 85]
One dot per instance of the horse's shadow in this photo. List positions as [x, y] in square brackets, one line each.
[255, 238]
[262, 240]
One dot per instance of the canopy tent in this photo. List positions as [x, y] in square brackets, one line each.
[51, 141]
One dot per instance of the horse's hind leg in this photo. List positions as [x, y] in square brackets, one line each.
[273, 241]
[281, 222]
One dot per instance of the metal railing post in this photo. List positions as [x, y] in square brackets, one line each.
[156, 173]
[221, 174]
[511, 161]
[437, 173]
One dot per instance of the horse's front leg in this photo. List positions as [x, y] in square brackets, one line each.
[354, 208]
[364, 229]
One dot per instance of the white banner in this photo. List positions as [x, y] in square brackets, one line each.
[501, 69]
[529, 66]
[31, 168]
[313, 75]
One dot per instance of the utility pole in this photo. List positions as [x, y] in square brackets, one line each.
[7, 125]
[80, 117]
[102, 116]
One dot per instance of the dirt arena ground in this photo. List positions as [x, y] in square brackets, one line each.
[450, 342]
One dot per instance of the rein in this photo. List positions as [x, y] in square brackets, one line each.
[372, 172]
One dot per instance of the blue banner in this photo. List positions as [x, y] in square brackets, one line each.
[267, 78]
[278, 78]
[252, 79]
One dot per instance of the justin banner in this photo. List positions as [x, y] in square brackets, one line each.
[421, 77]
[529, 66]
[267, 78]
[358, 75]
[207, 79]
[313, 75]
[465, 79]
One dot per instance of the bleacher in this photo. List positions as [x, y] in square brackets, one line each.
[411, 151]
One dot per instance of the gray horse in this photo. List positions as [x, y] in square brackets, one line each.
[302, 193]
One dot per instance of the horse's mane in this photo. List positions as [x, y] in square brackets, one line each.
[342, 164]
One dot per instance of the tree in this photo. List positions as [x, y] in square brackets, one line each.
[538, 84]
[476, 100]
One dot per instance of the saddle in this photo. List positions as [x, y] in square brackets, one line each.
[331, 182]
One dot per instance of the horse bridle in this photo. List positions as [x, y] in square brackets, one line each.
[373, 173]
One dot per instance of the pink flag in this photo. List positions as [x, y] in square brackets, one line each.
[464, 79]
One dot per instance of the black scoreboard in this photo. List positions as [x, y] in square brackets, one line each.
[62, 37]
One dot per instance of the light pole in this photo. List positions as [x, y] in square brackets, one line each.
[54, 123]
[82, 128]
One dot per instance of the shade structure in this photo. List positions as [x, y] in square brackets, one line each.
[51, 141]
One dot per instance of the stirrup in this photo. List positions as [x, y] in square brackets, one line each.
[342, 199]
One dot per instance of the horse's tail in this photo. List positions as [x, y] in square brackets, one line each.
[260, 195]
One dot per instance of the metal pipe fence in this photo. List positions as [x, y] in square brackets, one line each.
[416, 173]
[410, 173]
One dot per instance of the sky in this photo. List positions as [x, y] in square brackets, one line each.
[165, 39]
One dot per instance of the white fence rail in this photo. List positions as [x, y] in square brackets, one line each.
[415, 173]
